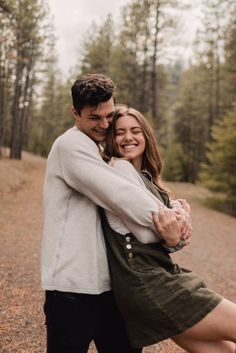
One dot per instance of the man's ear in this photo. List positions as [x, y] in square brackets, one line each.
[74, 112]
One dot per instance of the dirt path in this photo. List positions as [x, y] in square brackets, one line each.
[211, 255]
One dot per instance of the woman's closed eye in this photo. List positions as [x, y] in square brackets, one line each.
[119, 132]
[136, 131]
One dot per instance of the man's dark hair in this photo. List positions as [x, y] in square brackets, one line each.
[90, 90]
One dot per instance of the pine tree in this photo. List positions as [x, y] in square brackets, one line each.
[230, 61]
[6, 54]
[220, 173]
[97, 51]
[51, 116]
[28, 39]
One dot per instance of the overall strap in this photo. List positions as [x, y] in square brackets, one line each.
[155, 190]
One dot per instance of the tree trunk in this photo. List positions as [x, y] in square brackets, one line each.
[28, 92]
[210, 102]
[15, 123]
[217, 69]
[154, 69]
[2, 101]
[143, 96]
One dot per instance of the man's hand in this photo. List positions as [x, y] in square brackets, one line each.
[167, 226]
[185, 222]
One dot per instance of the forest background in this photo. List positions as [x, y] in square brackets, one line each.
[191, 106]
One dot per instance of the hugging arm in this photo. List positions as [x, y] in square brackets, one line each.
[83, 169]
[172, 226]
[168, 229]
[114, 190]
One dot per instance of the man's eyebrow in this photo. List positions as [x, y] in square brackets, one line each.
[100, 116]
[97, 115]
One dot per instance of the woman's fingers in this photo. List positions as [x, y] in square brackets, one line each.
[185, 205]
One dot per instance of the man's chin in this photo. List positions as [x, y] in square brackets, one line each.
[100, 139]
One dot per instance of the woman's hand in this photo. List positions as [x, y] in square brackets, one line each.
[167, 226]
[185, 205]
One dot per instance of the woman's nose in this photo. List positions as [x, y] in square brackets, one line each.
[128, 136]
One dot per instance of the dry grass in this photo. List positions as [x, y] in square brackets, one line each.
[14, 174]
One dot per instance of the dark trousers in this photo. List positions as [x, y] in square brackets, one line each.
[74, 320]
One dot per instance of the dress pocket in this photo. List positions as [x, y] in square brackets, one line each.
[147, 257]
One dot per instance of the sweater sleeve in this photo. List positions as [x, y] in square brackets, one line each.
[83, 169]
[143, 234]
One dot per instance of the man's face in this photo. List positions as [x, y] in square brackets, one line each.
[95, 121]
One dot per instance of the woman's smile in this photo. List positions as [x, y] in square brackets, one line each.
[130, 140]
[129, 146]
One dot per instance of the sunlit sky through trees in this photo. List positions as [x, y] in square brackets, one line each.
[72, 18]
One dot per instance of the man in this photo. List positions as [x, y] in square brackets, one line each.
[79, 305]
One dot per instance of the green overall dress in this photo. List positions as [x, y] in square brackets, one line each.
[157, 298]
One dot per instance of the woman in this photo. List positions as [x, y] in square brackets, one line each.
[157, 298]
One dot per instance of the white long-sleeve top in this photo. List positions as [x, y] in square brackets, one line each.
[77, 180]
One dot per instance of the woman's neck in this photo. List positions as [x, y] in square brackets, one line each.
[137, 164]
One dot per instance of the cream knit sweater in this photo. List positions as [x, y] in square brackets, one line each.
[77, 180]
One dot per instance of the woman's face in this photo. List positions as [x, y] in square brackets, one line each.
[130, 139]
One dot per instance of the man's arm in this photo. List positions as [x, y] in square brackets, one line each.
[181, 215]
[84, 170]
[114, 190]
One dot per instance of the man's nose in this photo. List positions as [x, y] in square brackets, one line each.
[104, 123]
